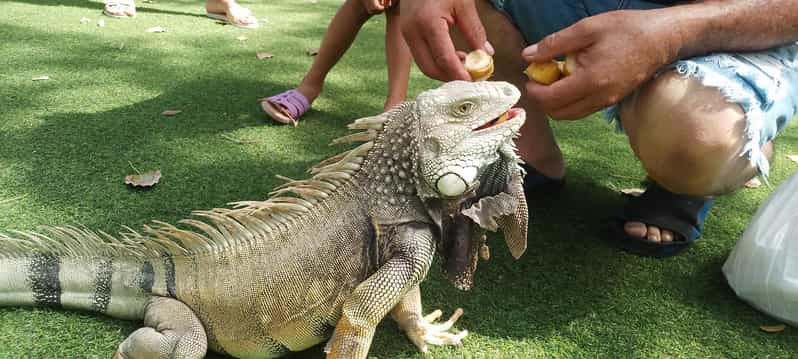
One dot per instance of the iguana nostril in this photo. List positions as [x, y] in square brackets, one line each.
[451, 185]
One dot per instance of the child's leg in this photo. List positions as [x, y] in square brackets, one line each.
[398, 57]
[339, 36]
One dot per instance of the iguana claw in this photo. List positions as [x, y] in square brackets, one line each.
[426, 332]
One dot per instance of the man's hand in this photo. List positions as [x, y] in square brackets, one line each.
[615, 52]
[425, 26]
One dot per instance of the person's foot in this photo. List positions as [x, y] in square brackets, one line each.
[652, 233]
[658, 208]
[391, 103]
[120, 8]
[309, 91]
[232, 13]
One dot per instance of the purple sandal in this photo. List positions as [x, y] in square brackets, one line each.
[286, 107]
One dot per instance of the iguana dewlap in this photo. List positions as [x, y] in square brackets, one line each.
[324, 258]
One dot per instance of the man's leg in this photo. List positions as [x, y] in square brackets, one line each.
[689, 138]
[536, 145]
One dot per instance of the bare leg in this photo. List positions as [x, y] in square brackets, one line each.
[536, 145]
[339, 36]
[689, 139]
[172, 331]
[399, 59]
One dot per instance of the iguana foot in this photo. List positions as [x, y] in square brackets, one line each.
[424, 331]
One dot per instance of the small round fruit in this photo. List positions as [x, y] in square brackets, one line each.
[544, 73]
[479, 65]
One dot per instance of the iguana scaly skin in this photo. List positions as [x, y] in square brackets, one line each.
[325, 257]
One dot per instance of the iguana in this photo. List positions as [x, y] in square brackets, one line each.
[325, 257]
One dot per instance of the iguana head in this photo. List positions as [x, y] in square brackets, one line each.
[467, 164]
[462, 127]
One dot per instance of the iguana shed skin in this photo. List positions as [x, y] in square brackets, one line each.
[326, 257]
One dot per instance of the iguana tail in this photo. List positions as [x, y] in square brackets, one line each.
[76, 269]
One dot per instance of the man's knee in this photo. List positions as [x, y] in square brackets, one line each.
[688, 137]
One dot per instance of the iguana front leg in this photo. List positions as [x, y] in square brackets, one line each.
[412, 249]
[420, 329]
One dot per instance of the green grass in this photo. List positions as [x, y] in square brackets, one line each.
[67, 143]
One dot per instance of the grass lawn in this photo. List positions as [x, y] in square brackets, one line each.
[67, 143]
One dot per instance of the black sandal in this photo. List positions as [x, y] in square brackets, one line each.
[681, 214]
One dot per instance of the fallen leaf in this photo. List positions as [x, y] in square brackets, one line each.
[146, 179]
[313, 52]
[101, 23]
[241, 38]
[264, 55]
[156, 29]
[753, 183]
[793, 158]
[170, 112]
[772, 328]
[41, 78]
[632, 192]
[84, 20]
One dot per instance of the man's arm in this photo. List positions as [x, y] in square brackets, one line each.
[617, 51]
[734, 25]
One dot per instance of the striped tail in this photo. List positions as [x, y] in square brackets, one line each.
[114, 287]
[91, 275]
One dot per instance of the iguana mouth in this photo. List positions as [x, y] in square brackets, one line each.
[511, 114]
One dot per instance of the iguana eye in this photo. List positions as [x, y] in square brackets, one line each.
[464, 108]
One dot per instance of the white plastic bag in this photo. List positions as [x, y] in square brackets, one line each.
[763, 267]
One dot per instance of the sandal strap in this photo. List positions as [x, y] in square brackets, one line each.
[292, 101]
[681, 214]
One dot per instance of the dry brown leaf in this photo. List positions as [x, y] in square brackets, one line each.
[242, 38]
[41, 78]
[753, 183]
[146, 179]
[632, 192]
[313, 52]
[156, 29]
[170, 112]
[773, 328]
[793, 158]
[264, 55]
[84, 20]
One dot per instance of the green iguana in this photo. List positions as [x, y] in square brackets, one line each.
[325, 257]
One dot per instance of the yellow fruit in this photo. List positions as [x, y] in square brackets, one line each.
[479, 65]
[544, 73]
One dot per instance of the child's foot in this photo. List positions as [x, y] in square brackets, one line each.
[232, 13]
[391, 103]
[286, 107]
[120, 9]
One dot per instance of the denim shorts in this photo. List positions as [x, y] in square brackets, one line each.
[764, 84]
